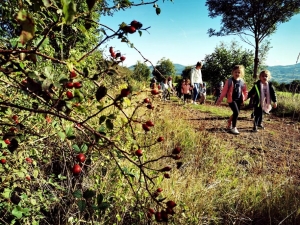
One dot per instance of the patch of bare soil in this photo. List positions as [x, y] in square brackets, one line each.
[274, 150]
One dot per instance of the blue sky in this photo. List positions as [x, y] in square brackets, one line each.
[179, 33]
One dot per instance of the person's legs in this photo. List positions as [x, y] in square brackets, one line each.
[195, 92]
[258, 114]
[235, 107]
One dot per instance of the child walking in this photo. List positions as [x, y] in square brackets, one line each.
[185, 90]
[236, 92]
[263, 93]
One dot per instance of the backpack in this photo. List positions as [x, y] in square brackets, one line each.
[230, 83]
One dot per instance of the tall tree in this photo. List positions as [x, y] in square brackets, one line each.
[141, 72]
[251, 18]
[218, 65]
[163, 69]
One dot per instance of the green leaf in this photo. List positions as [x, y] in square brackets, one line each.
[17, 213]
[103, 206]
[140, 33]
[100, 199]
[35, 173]
[46, 84]
[76, 148]
[109, 124]
[102, 119]
[81, 205]
[89, 194]
[112, 116]
[69, 11]
[62, 135]
[77, 93]
[77, 194]
[84, 147]
[6, 193]
[70, 133]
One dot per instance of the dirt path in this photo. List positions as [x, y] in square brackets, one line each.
[273, 150]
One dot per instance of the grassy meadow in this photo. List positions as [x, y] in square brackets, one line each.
[211, 187]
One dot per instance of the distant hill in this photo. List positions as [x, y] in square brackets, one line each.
[178, 67]
[280, 74]
[285, 74]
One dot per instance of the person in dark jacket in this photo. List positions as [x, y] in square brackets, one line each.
[262, 93]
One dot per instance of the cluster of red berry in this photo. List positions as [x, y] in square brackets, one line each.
[76, 170]
[70, 84]
[162, 216]
[133, 27]
[115, 55]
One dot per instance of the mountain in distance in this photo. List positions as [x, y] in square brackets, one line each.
[280, 74]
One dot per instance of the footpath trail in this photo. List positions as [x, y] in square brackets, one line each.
[273, 150]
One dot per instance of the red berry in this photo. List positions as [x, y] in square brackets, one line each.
[149, 123]
[154, 91]
[77, 85]
[12, 129]
[159, 87]
[122, 58]
[130, 29]
[73, 74]
[165, 169]
[149, 215]
[166, 175]
[159, 190]
[29, 160]
[80, 157]
[125, 92]
[137, 25]
[146, 100]
[145, 127]
[164, 216]
[171, 204]
[76, 169]
[7, 141]
[4, 153]
[111, 49]
[149, 106]
[158, 217]
[113, 55]
[170, 211]
[139, 152]
[3, 161]
[176, 150]
[160, 139]
[69, 94]
[152, 211]
[28, 178]
[69, 85]
[14, 117]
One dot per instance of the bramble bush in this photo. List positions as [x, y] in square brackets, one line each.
[71, 124]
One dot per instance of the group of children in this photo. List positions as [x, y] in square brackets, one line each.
[262, 94]
[187, 92]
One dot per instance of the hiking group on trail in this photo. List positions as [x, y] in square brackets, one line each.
[235, 90]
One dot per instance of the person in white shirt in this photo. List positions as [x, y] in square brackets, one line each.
[196, 81]
[165, 91]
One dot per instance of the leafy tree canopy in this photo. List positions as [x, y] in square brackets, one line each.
[256, 19]
[141, 72]
[164, 69]
[218, 65]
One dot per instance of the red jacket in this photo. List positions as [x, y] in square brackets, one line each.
[227, 92]
[185, 88]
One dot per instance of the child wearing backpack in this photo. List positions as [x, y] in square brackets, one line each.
[235, 91]
[262, 93]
